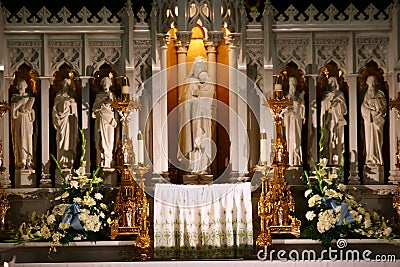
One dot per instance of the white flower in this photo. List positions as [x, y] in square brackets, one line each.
[74, 184]
[310, 215]
[328, 181]
[367, 222]
[314, 200]
[308, 192]
[77, 200]
[64, 226]
[50, 219]
[323, 162]
[326, 220]
[98, 196]
[361, 210]
[45, 232]
[83, 180]
[89, 201]
[333, 176]
[341, 187]
[387, 231]
[330, 193]
[65, 194]
[103, 206]
[109, 221]
[81, 171]
[102, 215]
[59, 209]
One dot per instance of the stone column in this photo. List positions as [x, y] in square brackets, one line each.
[394, 123]
[4, 134]
[354, 134]
[312, 119]
[45, 180]
[86, 117]
[159, 98]
[233, 108]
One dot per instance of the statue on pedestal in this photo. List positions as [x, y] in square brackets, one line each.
[105, 124]
[196, 114]
[333, 110]
[22, 118]
[293, 120]
[65, 121]
[373, 111]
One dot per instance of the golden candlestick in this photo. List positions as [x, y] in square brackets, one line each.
[276, 205]
[131, 206]
[395, 104]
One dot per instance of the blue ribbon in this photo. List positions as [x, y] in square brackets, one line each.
[71, 215]
[344, 210]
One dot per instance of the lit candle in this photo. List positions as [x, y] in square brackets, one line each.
[140, 148]
[125, 89]
[263, 146]
[278, 87]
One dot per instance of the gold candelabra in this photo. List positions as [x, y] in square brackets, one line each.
[395, 105]
[276, 205]
[131, 206]
[4, 203]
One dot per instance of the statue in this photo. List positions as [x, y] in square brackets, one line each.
[293, 120]
[65, 121]
[105, 124]
[22, 118]
[333, 110]
[196, 113]
[373, 111]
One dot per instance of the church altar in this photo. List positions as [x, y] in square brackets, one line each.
[203, 222]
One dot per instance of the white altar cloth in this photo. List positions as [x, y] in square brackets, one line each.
[203, 221]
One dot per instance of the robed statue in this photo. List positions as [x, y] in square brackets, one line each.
[22, 118]
[105, 124]
[65, 121]
[196, 113]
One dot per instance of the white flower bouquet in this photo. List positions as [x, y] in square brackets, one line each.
[82, 210]
[332, 213]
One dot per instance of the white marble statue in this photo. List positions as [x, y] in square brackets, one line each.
[373, 111]
[293, 120]
[22, 118]
[65, 121]
[105, 124]
[333, 110]
[196, 113]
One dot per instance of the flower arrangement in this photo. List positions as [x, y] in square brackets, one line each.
[82, 210]
[333, 213]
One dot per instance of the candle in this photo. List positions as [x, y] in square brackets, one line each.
[125, 90]
[140, 148]
[278, 87]
[263, 146]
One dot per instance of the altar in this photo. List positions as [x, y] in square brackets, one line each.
[203, 222]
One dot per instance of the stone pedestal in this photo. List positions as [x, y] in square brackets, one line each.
[293, 176]
[394, 177]
[373, 174]
[109, 177]
[59, 182]
[199, 179]
[25, 178]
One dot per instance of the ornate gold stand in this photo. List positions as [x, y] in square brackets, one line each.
[395, 104]
[276, 205]
[4, 203]
[131, 206]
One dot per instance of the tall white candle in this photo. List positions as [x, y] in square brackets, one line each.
[278, 87]
[263, 146]
[140, 148]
